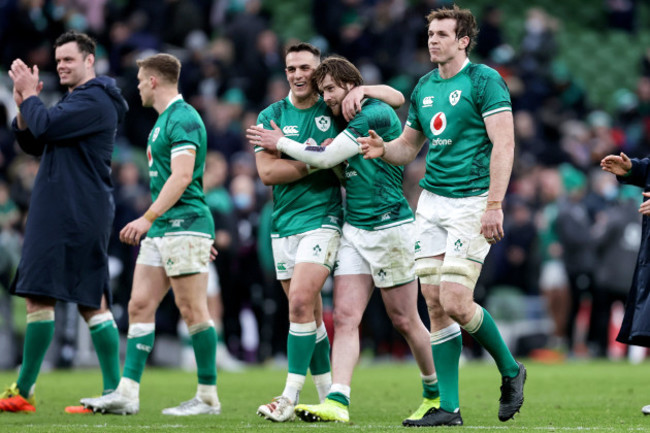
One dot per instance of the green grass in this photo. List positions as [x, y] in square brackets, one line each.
[576, 396]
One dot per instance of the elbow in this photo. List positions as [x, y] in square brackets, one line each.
[185, 179]
[266, 177]
[402, 100]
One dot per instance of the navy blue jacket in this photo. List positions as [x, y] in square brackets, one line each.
[71, 208]
[636, 322]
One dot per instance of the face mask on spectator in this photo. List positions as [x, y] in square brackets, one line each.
[242, 201]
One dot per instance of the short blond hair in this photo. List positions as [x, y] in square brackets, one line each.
[166, 65]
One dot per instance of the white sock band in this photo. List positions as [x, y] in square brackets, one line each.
[302, 329]
[430, 379]
[449, 333]
[100, 318]
[198, 327]
[140, 329]
[40, 316]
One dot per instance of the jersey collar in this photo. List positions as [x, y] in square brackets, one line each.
[178, 97]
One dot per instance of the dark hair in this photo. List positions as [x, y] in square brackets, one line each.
[168, 66]
[341, 70]
[85, 43]
[465, 23]
[302, 46]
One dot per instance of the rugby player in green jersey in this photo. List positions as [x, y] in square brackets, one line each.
[306, 223]
[177, 248]
[464, 110]
[377, 243]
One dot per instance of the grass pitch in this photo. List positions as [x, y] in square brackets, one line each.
[576, 396]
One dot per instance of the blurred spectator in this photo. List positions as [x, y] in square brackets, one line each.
[574, 234]
[617, 237]
[553, 280]
[521, 262]
[537, 50]
[489, 37]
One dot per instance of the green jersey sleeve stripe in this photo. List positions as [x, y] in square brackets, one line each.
[496, 110]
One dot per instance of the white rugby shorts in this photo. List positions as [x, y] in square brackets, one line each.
[451, 226]
[385, 254]
[315, 246]
[179, 255]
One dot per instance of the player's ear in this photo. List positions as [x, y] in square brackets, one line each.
[463, 42]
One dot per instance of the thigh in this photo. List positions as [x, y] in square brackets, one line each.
[190, 289]
[401, 300]
[150, 285]
[351, 295]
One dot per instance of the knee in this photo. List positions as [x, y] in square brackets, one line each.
[140, 306]
[402, 323]
[300, 305]
[345, 318]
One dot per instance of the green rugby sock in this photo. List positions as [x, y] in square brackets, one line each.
[139, 345]
[300, 346]
[106, 340]
[446, 345]
[204, 341]
[320, 359]
[485, 331]
[38, 336]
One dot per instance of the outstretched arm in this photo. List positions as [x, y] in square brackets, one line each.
[344, 146]
[615, 164]
[400, 151]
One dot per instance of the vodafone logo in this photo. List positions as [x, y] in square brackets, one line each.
[438, 123]
[149, 156]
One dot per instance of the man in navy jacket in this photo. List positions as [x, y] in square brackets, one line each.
[71, 210]
[636, 321]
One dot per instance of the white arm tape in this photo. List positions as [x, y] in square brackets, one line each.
[343, 147]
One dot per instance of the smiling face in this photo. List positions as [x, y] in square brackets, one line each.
[74, 68]
[300, 66]
[443, 44]
[333, 94]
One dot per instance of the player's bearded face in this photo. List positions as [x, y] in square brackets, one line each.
[300, 67]
[333, 94]
[72, 66]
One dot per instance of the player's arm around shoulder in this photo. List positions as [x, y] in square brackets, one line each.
[273, 170]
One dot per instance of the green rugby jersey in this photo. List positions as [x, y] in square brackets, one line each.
[179, 128]
[373, 188]
[315, 200]
[450, 113]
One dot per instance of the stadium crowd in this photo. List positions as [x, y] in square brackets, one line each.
[572, 233]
